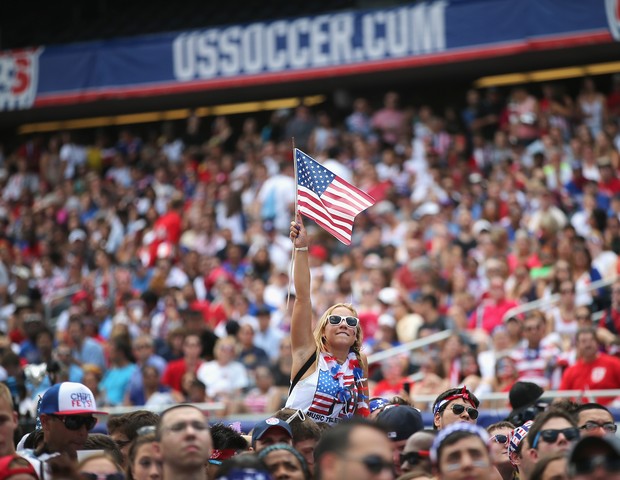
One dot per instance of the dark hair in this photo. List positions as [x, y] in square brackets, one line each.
[129, 423]
[224, 437]
[430, 298]
[543, 463]
[302, 430]
[567, 405]
[337, 440]
[449, 393]
[543, 418]
[34, 440]
[283, 446]
[99, 441]
[586, 330]
[454, 437]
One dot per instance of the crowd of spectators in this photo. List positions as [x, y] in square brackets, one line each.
[155, 268]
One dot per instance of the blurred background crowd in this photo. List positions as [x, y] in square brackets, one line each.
[152, 262]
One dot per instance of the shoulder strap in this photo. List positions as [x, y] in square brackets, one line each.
[304, 368]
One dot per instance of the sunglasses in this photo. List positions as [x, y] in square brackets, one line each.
[551, 435]
[586, 466]
[500, 438]
[101, 476]
[458, 409]
[338, 319]
[607, 427]
[75, 422]
[374, 463]
[413, 458]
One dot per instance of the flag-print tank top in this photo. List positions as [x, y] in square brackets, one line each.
[332, 392]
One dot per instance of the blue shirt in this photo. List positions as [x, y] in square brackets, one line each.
[115, 383]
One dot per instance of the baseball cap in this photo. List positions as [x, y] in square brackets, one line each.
[401, 421]
[589, 448]
[524, 399]
[263, 426]
[68, 398]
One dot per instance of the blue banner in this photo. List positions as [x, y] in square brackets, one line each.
[342, 43]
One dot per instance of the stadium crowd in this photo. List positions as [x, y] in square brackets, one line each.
[155, 271]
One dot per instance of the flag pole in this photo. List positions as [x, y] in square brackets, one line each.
[290, 276]
[296, 180]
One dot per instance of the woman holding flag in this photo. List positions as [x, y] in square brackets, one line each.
[329, 374]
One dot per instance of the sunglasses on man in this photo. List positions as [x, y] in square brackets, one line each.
[75, 422]
[338, 319]
[373, 463]
[413, 458]
[551, 435]
[458, 409]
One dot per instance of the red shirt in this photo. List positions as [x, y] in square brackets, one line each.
[173, 375]
[489, 315]
[601, 374]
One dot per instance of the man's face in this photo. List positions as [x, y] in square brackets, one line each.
[450, 414]
[142, 350]
[271, 437]
[192, 347]
[59, 438]
[418, 442]
[498, 449]
[185, 440]
[468, 458]
[560, 444]
[586, 346]
[8, 425]
[306, 448]
[397, 449]
[533, 331]
[365, 444]
[596, 422]
[283, 466]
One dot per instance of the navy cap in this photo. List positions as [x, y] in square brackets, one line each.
[263, 426]
[401, 421]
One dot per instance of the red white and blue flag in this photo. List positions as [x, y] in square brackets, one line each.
[325, 394]
[332, 202]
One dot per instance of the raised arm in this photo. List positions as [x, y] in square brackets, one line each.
[302, 341]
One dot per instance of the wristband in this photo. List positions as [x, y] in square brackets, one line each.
[301, 249]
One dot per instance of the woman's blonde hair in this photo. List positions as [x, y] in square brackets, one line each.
[319, 331]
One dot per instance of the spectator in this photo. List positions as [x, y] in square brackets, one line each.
[595, 420]
[552, 431]
[284, 462]
[455, 405]
[356, 449]
[401, 422]
[8, 422]
[178, 426]
[142, 464]
[270, 432]
[416, 454]
[593, 370]
[498, 448]
[125, 428]
[116, 380]
[190, 362]
[461, 449]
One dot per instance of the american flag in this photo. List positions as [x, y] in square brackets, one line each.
[325, 395]
[332, 202]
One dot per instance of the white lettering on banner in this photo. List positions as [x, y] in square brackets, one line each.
[275, 57]
[229, 45]
[311, 42]
[19, 77]
[341, 31]
[299, 55]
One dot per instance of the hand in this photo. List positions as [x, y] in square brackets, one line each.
[298, 234]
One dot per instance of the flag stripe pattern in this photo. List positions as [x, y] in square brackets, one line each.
[325, 394]
[332, 202]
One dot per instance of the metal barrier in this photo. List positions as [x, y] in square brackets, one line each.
[552, 300]
[409, 346]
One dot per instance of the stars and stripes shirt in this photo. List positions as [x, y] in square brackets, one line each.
[317, 394]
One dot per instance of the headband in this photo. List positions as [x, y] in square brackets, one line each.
[474, 430]
[464, 394]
